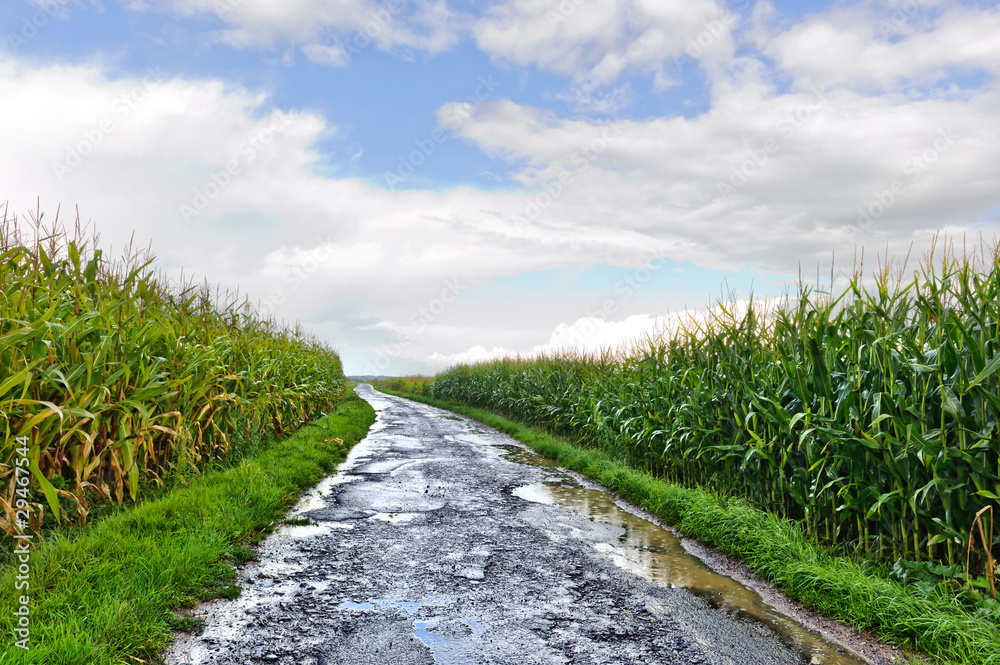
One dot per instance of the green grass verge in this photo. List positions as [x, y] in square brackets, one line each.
[107, 593]
[853, 591]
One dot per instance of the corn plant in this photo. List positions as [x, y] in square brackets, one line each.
[116, 377]
[869, 414]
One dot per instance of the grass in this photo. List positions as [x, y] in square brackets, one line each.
[856, 590]
[109, 592]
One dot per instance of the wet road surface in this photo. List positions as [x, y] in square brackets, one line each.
[442, 541]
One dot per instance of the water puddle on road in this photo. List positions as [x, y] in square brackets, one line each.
[657, 555]
[448, 649]
[449, 640]
[300, 531]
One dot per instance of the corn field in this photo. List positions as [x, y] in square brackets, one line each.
[869, 415]
[115, 378]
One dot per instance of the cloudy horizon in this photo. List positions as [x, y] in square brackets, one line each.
[423, 182]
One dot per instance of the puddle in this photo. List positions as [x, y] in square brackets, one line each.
[314, 502]
[657, 555]
[448, 639]
[394, 518]
[524, 456]
[315, 499]
[448, 649]
[305, 530]
[342, 478]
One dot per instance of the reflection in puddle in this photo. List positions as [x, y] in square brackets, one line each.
[449, 640]
[525, 456]
[538, 493]
[448, 648]
[657, 555]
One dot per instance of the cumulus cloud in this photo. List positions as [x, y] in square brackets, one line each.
[762, 177]
[334, 55]
[595, 41]
[224, 185]
[885, 48]
[594, 335]
[795, 159]
[476, 354]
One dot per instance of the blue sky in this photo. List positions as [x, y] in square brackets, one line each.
[380, 104]
[728, 145]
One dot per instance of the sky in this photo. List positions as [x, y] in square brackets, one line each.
[425, 182]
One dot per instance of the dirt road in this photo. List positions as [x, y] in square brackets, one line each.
[432, 545]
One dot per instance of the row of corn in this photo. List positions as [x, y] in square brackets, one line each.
[869, 413]
[112, 377]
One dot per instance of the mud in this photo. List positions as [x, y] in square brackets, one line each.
[442, 541]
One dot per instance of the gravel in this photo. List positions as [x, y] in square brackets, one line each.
[419, 551]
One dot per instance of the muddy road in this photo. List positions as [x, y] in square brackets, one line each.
[441, 541]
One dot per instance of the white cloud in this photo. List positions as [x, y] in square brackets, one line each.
[873, 45]
[586, 335]
[885, 48]
[595, 41]
[334, 56]
[427, 25]
[131, 152]
[593, 334]
[631, 336]
[761, 178]
[772, 174]
[476, 354]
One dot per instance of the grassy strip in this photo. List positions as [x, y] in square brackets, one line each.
[107, 593]
[778, 550]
